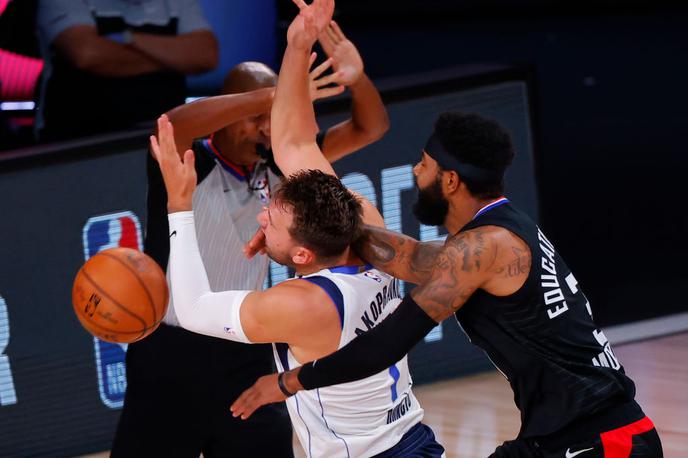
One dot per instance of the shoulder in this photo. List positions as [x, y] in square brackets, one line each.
[298, 295]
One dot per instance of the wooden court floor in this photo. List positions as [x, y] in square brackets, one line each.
[472, 415]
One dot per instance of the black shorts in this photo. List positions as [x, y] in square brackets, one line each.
[179, 389]
[636, 439]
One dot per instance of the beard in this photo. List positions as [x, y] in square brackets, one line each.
[431, 208]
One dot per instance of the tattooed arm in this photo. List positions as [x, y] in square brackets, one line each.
[490, 258]
[397, 254]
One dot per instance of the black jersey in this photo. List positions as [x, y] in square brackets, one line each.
[543, 338]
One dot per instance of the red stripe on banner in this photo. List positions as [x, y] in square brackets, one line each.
[618, 443]
[129, 237]
[19, 75]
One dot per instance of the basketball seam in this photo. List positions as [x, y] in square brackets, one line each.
[143, 285]
[96, 286]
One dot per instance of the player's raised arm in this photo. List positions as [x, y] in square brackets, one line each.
[369, 120]
[293, 120]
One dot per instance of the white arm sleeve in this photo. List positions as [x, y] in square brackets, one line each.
[198, 308]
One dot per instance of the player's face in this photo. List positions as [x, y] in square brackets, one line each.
[279, 244]
[432, 207]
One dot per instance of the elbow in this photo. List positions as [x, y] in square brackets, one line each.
[371, 134]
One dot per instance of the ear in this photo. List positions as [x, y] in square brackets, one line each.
[451, 182]
[302, 256]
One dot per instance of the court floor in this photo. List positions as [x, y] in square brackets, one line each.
[471, 415]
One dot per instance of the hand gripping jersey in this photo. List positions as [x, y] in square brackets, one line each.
[543, 338]
[368, 416]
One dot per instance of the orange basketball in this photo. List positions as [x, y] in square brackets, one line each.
[120, 295]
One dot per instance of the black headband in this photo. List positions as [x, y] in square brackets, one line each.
[447, 161]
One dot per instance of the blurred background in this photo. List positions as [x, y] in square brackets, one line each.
[594, 93]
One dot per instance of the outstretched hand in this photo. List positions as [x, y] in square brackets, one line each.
[347, 62]
[310, 22]
[320, 86]
[178, 173]
[264, 391]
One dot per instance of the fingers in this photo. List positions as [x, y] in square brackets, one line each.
[326, 42]
[155, 149]
[327, 79]
[300, 3]
[311, 60]
[245, 405]
[332, 35]
[337, 31]
[329, 92]
[317, 71]
[189, 160]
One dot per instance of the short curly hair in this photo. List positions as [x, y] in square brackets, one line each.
[326, 215]
[478, 141]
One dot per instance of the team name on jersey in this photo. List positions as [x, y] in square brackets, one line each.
[377, 306]
[553, 294]
[399, 410]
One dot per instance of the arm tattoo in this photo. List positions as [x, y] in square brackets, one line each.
[456, 274]
[397, 254]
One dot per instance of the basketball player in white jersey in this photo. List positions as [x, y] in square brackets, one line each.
[311, 220]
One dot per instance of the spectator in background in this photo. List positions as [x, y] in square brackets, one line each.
[114, 63]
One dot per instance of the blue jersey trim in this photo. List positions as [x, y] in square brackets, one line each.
[333, 291]
[322, 411]
[350, 270]
[494, 204]
[215, 155]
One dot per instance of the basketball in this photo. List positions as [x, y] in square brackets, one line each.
[120, 295]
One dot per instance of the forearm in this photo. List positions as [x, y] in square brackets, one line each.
[369, 353]
[368, 113]
[401, 256]
[190, 53]
[104, 57]
[198, 308]
[205, 116]
[292, 117]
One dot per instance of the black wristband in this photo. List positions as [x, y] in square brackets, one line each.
[373, 351]
[282, 387]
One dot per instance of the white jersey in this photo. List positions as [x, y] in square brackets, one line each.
[368, 416]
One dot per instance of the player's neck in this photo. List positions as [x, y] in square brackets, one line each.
[462, 211]
[348, 258]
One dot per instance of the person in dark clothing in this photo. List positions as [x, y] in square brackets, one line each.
[513, 295]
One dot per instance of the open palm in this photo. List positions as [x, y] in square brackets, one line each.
[347, 62]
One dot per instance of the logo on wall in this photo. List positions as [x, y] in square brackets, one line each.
[100, 233]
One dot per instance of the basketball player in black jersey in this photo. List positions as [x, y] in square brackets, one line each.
[513, 295]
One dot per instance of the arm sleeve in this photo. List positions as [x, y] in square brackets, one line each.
[373, 351]
[55, 16]
[198, 308]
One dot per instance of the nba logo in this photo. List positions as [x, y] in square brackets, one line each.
[100, 233]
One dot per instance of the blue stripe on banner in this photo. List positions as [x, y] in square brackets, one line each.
[322, 410]
[333, 291]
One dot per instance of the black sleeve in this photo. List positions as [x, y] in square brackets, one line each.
[373, 351]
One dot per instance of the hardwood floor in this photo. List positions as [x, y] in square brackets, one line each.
[472, 415]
